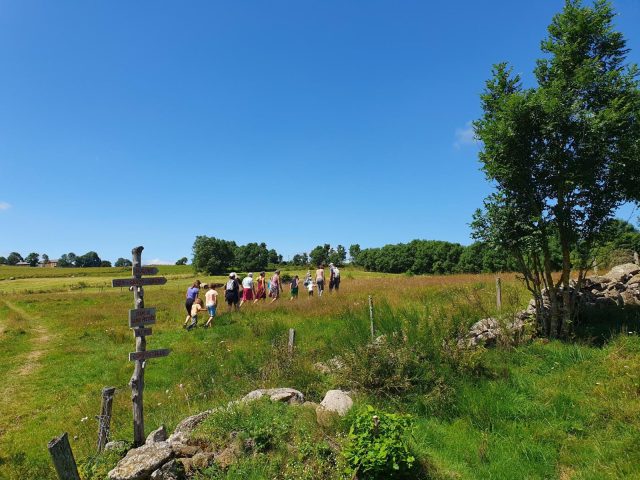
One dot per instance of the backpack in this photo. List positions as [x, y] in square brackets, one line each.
[230, 285]
[336, 272]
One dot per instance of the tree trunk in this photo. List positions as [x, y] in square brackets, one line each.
[565, 324]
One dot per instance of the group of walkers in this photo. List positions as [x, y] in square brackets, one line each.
[237, 293]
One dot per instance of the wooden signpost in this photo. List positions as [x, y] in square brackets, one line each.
[139, 318]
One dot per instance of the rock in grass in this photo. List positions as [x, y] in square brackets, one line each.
[284, 394]
[158, 435]
[140, 462]
[172, 470]
[187, 425]
[116, 445]
[620, 273]
[337, 401]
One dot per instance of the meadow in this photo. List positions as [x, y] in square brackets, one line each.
[543, 409]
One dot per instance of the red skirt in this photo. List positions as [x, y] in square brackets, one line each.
[247, 294]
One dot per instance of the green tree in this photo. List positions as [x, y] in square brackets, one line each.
[89, 259]
[182, 261]
[3, 260]
[32, 259]
[14, 258]
[253, 257]
[354, 251]
[338, 256]
[45, 259]
[563, 155]
[105, 263]
[212, 255]
[123, 262]
[320, 254]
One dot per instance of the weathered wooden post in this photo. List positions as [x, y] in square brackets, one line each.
[104, 420]
[499, 293]
[62, 457]
[292, 339]
[373, 333]
[636, 259]
[138, 318]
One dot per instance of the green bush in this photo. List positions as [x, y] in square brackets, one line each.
[376, 446]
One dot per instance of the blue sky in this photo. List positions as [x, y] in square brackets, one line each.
[290, 122]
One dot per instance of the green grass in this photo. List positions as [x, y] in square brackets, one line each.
[542, 410]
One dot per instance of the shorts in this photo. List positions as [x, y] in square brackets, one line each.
[212, 310]
[231, 297]
[274, 292]
[294, 292]
[247, 294]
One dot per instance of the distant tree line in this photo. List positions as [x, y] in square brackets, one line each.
[216, 256]
[617, 245]
[89, 259]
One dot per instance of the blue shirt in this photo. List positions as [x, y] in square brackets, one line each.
[192, 293]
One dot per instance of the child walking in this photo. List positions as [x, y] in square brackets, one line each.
[195, 308]
[294, 287]
[211, 299]
[310, 288]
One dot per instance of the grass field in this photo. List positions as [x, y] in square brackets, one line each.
[540, 410]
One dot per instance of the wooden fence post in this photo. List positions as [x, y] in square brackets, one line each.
[499, 293]
[373, 333]
[62, 457]
[636, 260]
[292, 339]
[104, 420]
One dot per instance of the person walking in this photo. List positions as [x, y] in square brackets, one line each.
[192, 294]
[211, 301]
[195, 308]
[294, 287]
[334, 277]
[232, 292]
[275, 287]
[261, 287]
[247, 289]
[320, 279]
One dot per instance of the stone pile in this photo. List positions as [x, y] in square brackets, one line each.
[175, 457]
[620, 287]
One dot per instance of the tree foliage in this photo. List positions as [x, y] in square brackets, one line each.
[32, 259]
[563, 155]
[14, 258]
[123, 262]
[182, 261]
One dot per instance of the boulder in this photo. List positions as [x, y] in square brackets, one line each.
[140, 462]
[172, 470]
[158, 435]
[284, 394]
[187, 425]
[634, 280]
[337, 401]
[630, 298]
[181, 450]
[621, 273]
[116, 445]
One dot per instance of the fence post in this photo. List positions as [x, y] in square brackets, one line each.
[292, 339]
[636, 260]
[499, 293]
[62, 457]
[104, 420]
[373, 333]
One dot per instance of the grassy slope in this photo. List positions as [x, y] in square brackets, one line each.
[547, 410]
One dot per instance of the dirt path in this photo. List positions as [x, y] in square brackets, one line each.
[41, 338]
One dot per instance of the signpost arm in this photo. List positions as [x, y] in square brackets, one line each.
[137, 380]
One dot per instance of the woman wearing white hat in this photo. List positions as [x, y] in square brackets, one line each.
[247, 289]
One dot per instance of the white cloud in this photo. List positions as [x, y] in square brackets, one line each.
[5, 206]
[464, 136]
[157, 261]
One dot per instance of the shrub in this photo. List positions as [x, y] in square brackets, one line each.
[376, 447]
